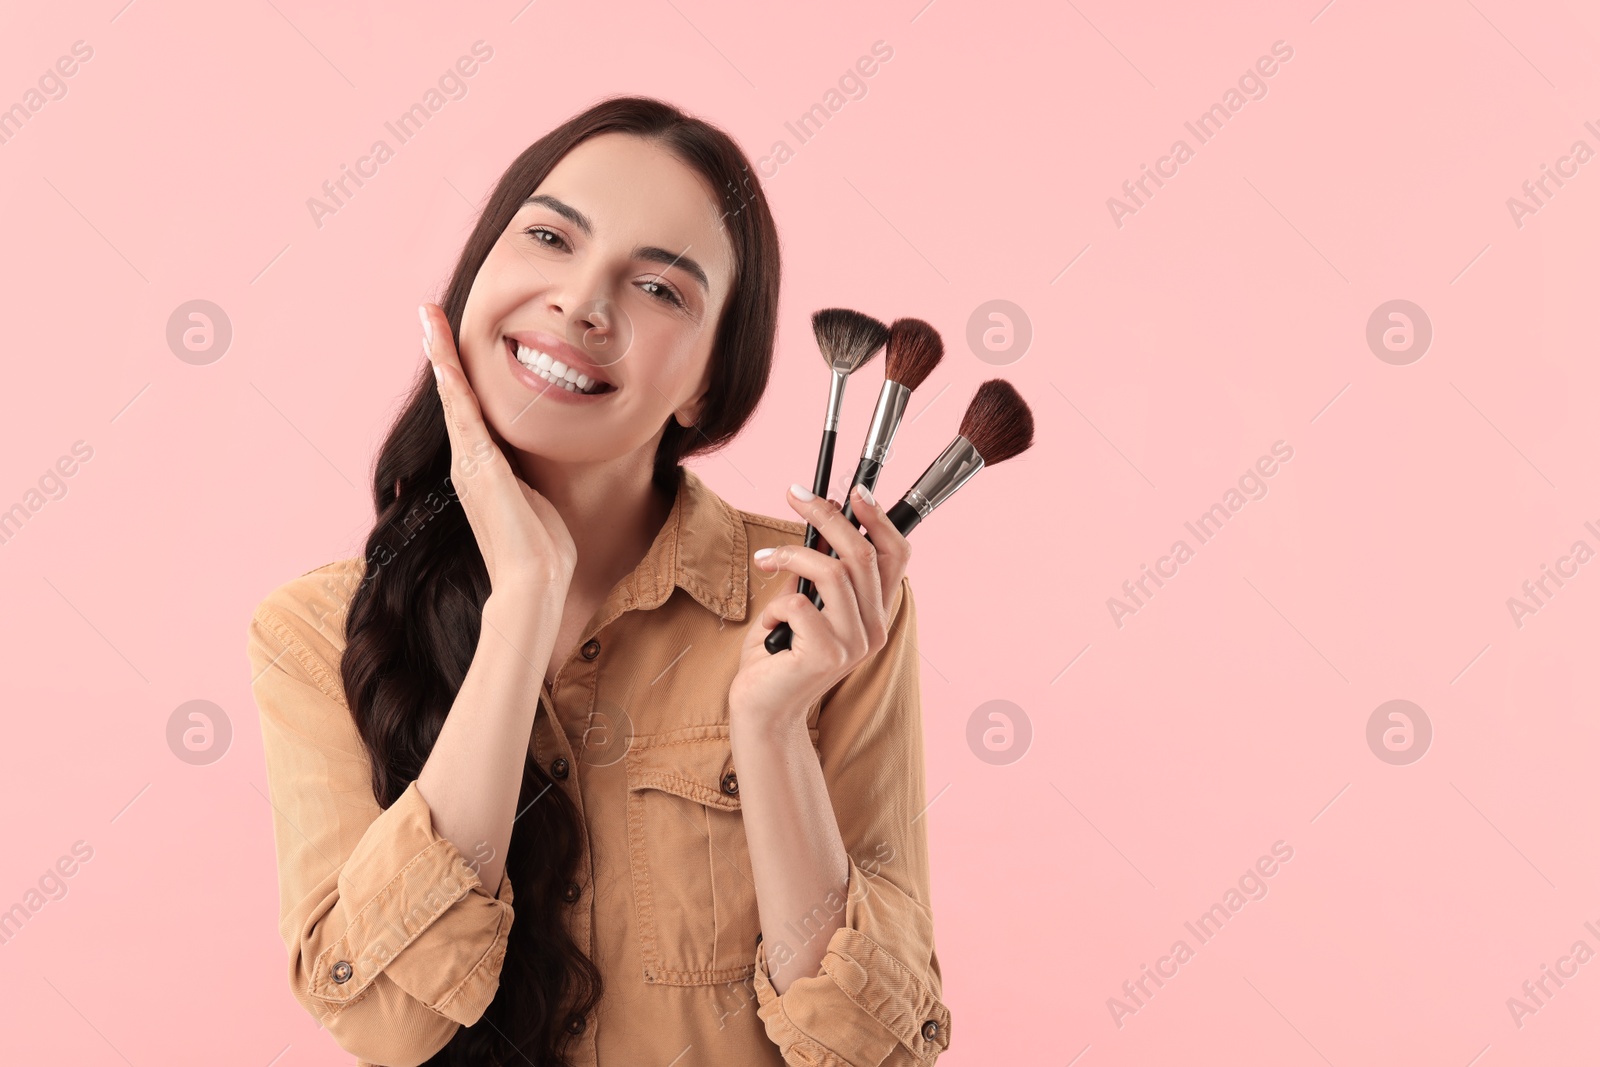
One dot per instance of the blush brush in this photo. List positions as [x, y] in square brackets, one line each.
[997, 425]
[913, 350]
[848, 340]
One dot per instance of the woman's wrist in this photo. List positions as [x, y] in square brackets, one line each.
[766, 725]
[528, 617]
[536, 581]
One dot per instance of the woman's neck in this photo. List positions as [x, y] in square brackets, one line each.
[613, 511]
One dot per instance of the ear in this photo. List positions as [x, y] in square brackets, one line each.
[689, 414]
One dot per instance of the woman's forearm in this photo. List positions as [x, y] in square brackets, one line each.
[797, 855]
[473, 776]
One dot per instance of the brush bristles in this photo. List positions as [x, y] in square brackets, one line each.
[997, 422]
[914, 349]
[847, 339]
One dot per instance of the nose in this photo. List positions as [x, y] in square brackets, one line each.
[600, 328]
[592, 319]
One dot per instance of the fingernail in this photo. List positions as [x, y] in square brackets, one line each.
[866, 495]
[802, 492]
[427, 324]
[764, 553]
[438, 375]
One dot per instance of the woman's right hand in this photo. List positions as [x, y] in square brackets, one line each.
[520, 533]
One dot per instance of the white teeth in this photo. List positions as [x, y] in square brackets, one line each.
[553, 370]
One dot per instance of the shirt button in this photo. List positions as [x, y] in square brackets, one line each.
[577, 1025]
[730, 784]
[591, 648]
[342, 972]
[930, 1029]
[558, 767]
[572, 892]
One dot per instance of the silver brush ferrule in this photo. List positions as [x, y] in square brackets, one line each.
[892, 399]
[835, 398]
[958, 462]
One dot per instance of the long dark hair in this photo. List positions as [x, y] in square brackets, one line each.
[414, 619]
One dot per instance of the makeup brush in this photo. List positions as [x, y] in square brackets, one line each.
[913, 350]
[996, 426]
[848, 340]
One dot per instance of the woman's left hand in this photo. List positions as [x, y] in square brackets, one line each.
[860, 592]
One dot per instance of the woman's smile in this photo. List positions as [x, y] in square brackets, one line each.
[554, 369]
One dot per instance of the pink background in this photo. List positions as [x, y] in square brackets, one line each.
[1228, 313]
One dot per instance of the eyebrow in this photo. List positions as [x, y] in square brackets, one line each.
[646, 252]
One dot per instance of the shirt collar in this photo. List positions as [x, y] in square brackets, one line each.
[702, 547]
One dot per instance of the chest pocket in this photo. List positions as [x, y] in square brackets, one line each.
[693, 886]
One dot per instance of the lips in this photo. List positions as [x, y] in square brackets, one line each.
[548, 357]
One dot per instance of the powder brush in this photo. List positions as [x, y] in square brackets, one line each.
[996, 426]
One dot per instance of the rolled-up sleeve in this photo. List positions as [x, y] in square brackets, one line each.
[393, 942]
[876, 1000]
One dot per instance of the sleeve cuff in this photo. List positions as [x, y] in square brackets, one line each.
[867, 999]
[435, 896]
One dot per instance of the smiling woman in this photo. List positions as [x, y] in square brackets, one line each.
[544, 677]
[625, 268]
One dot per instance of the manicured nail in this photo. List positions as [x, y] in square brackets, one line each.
[802, 492]
[427, 324]
[765, 553]
[866, 495]
[438, 375]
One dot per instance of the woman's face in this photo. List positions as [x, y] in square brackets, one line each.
[618, 267]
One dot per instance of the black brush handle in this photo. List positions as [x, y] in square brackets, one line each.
[819, 486]
[905, 519]
[782, 635]
[867, 472]
[779, 639]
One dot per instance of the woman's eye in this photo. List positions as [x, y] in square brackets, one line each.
[539, 233]
[655, 286]
[665, 292]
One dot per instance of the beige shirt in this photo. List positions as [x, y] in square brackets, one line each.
[394, 943]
